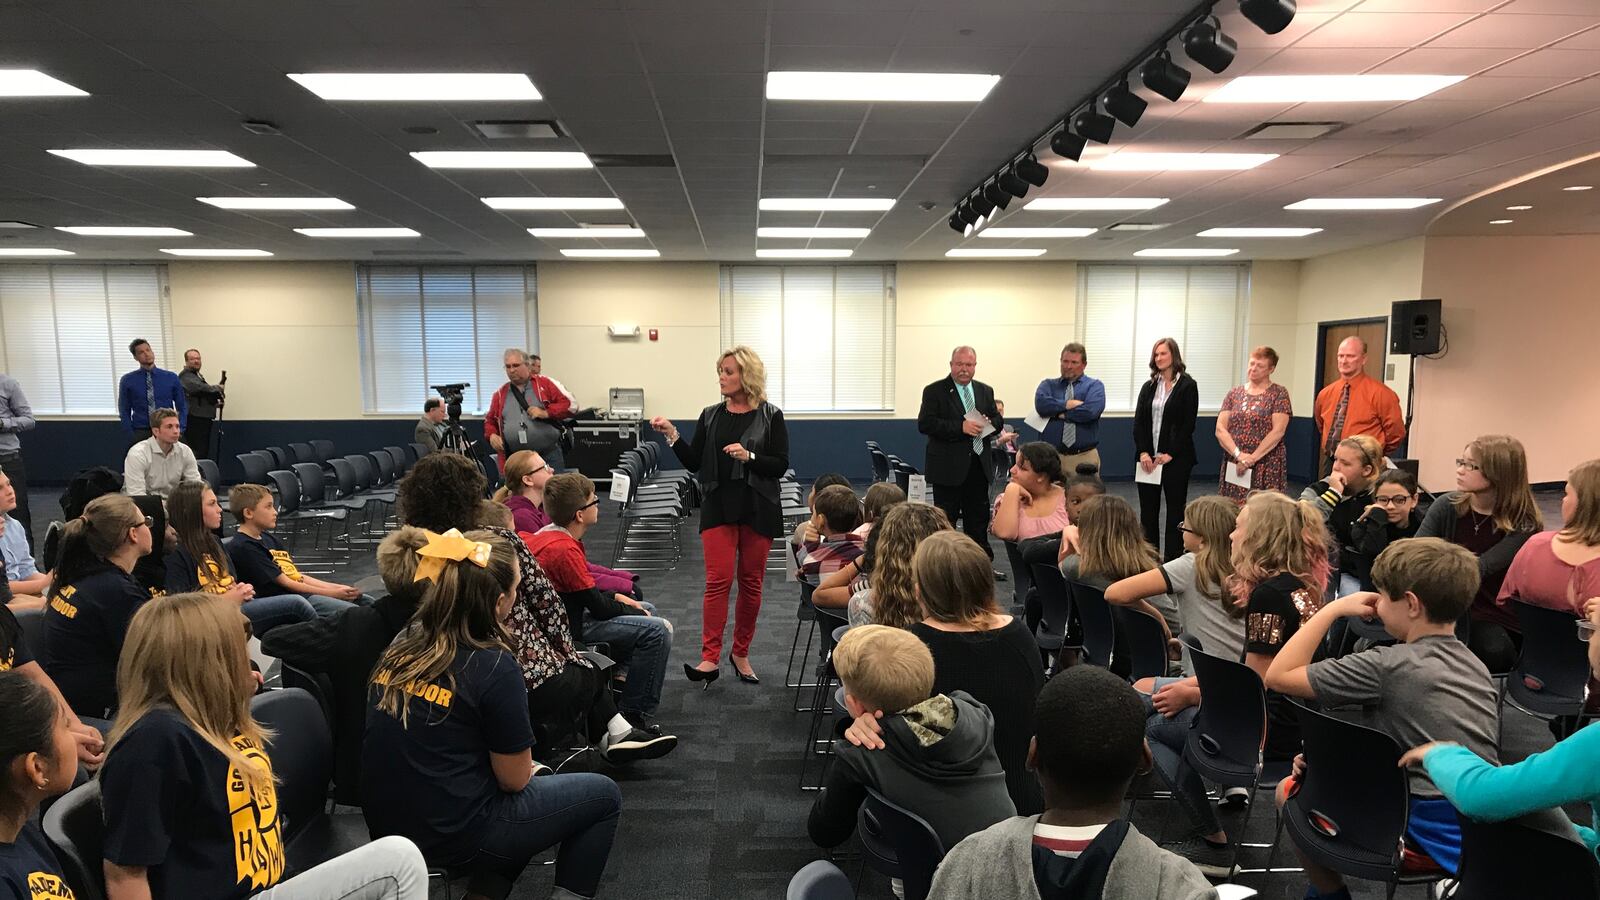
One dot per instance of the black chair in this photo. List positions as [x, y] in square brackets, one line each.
[1055, 604]
[32, 622]
[304, 453]
[75, 827]
[418, 451]
[1021, 574]
[322, 449]
[402, 459]
[830, 625]
[1146, 640]
[1503, 859]
[820, 880]
[209, 473]
[1551, 677]
[1099, 628]
[301, 750]
[281, 457]
[255, 467]
[899, 843]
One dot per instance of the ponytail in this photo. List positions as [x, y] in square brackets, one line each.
[27, 721]
[88, 540]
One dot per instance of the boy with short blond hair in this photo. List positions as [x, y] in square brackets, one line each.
[263, 561]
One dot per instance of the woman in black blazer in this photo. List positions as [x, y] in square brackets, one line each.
[1163, 435]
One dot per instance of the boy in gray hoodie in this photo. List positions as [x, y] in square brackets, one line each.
[1088, 745]
[931, 755]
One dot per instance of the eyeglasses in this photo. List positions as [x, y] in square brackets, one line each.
[1184, 526]
[1585, 630]
[1392, 501]
[148, 522]
[1468, 464]
[249, 631]
[594, 502]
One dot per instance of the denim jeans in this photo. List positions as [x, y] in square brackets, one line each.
[1167, 737]
[644, 645]
[267, 613]
[389, 868]
[327, 606]
[579, 812]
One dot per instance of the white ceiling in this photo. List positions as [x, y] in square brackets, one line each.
[685, 77]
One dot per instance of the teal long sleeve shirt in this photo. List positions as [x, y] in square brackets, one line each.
[1566, 773]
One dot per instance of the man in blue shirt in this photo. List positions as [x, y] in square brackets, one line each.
[1071, 406]
[145, 390]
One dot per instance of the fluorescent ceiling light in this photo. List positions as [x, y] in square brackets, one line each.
[418, 86]
[1362, 203]
[503, 159]
[772, 232]
[1579, 187]
[1501, 221]
[610, 254]
[1519, 208]
[191, 159]
[593, 231]
[878, 86]
[220, 251]
[803, 254]
[34, 251]
[1180, 162]
[553, 203]
[1036, 232]
[1187, 251]
[33, 83]
[1257, 232]
[358, 232]
[1062, 204]
[825, 204]
[1137, 226]
[994, 254]
[123, 231]
[296, 203]
[1329, 88]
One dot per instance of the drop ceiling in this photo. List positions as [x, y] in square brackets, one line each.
[672, 92]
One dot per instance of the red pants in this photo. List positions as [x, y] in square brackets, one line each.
[721, 545]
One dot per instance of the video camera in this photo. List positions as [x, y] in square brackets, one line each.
[452, 394]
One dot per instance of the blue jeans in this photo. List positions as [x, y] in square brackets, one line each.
[328, 606]
[579, 812]
[267, 613]
[644, 645]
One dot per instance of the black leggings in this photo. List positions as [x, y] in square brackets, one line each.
[579, 694]
[1174, 487]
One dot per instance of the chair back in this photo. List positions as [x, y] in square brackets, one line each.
[402, 459]
[75, 827]
[322, 449]
[1351, 808]
[383, 466]
[209, 473]
[418, 451]
[1552, 673]
[1230, 726]
[1099, 629]
[820, 880]
[303, 453]
[1501, 859]
[899, 843]
[1021, 574]
[344, 476]
[1054, 603]
[361, 465]
[1146, 641]
[32, 622]
[255, 468]
[288, 488]
[313, 486]
[301, 750]
[281, 457]
[880, 463]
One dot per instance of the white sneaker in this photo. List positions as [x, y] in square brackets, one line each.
[1234, 798]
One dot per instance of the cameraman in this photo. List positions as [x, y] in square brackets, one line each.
[529, 420]
[430, 428]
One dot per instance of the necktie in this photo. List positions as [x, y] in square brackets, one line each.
[149, 394]
[965, 392]
[1336, 430]
[1069, 430]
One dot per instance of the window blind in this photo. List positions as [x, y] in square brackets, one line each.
[1124, 310]
[825, 333]
[65, 330]
[427, 325]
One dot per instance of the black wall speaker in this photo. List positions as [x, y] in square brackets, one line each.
[1414, 327]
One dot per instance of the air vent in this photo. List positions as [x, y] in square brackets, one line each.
[633, 160]
[259, 126]
[16, 225]
[517, 129]
[1291, 131]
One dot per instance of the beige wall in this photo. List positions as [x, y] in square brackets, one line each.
[1522, 315]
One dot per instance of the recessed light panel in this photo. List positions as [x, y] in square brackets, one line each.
[1518, 208]
[1257, 232]
[553, 203]
[33, 83]
[187, 159]
[1016, 253]
[358, 232]
[1362, 203]
[1501, 221]
[1579, 187]
[803, 253]
[1064, 204]
[282, 203]
[1329, 88]
[826, 204]
[610, 254]
[620, 231]
[1036, 232]
[1182, 252]
[218, 251]
[876, 87]
[124, 231]
[777, 232]
[34, 251]
[502, 159]
[1180, 162]
[418, 86]
[1137, 226]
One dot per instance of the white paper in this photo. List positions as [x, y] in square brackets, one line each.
[917, 489]
[1232, 475]
[983, 420]
[1151, 477]
[619, 486]
[1036, 422]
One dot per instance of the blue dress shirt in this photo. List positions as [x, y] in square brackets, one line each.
[134, 407]
[1050, 401]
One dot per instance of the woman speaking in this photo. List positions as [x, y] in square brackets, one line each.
[1163, 435]
[739, 450]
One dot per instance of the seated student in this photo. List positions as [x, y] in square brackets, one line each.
[1034, 502]
[808, 530]
[930, 753]
[38, 760]
[22, 578]
[1080, 847]
[1561, 569]
[638, 639]
[1081, 487]
[879, 497]
[1346, 493]
[1107, 544]
[161, 462]
[197, 562]
[191, 807]
[978, 649]
[151, 569]
[523, 493]
[346, 647]
[447, 762]
[890, 596]
[1280, 574]
[91, 602]
[15, 656]
[831, 541]
[1391, 517]
[263, 563]
[1564, 774]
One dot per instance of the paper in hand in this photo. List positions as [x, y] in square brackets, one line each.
[1036, 422]
[983, 420]
[1142, 477]
[1232, 475]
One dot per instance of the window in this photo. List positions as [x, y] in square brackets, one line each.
[427, 325]
[65, 330]
[1124, 310]
[826, 333]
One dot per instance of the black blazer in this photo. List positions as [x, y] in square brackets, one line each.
[949, 449]
[1177, 422]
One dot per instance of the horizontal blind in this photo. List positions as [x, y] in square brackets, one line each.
[825, 333]
[1124, 310]
[428, 325]
[66, 330]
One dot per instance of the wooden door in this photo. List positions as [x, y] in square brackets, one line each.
[1374, 331]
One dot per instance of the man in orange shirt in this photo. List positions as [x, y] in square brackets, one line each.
[1356, 404]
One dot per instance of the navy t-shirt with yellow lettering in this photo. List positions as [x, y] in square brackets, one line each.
[29, 870]
[84, 625]
[176, 805]
[259, 561]
[430, 780]
[13, 649]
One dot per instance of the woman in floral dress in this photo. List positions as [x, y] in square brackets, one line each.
[1250, 428]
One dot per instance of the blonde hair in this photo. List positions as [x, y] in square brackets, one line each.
[245, 496]
[1504, 464]
[519, 465]
[187, 652]
[752, 372]
[1281, 535]
[1584, 526]
[894, 549]
[1111, 541]
[884, 668]
[397, 562]
[1371, 451]
[955, 579]
[1212, 519]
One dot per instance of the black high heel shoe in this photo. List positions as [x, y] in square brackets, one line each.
[703, 677]
[747, 679]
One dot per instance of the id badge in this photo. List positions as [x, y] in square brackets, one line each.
[522, 436]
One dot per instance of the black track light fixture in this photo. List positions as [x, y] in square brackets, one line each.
[957, 225]
[1011, 184]
[1206, 44]
[1122, 102]
[982, 204]
[966, 213]
[996, 194]
[1271, 16]
[1165, 77]
[1094, 125]
[1068, 145]
[1031, 170]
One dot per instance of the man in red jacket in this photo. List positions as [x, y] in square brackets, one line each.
[522, 411]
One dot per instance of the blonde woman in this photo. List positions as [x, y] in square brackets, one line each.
[739, 450]
[191, 806]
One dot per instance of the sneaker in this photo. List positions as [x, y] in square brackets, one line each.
[642, 722]
[540, 768]
[1234, 798]
[637, 744]
[1211, 860]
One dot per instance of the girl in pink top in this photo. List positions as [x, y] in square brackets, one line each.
[1034, 503]
[1561, 569]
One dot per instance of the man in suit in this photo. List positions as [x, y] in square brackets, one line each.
[145, 390]
[959, 463]
[205, 399]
